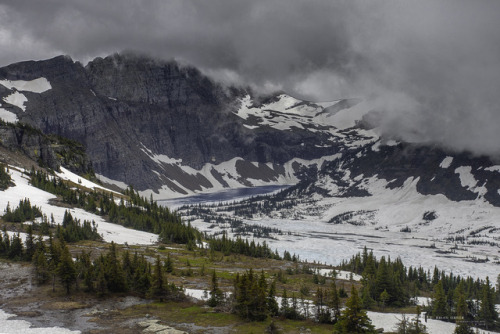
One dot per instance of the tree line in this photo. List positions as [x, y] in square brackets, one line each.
[143, 214]
[466, 301]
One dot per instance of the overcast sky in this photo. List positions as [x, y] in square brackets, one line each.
[432, 66]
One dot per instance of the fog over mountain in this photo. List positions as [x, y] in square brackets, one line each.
[431, 67]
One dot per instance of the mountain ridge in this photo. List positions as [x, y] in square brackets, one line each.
[128, 111]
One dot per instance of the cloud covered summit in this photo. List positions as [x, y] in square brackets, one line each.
[432, 67]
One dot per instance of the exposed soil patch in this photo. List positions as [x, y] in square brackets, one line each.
[44, 308]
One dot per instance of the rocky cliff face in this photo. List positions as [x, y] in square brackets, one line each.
[43, 150]
[157, 125]
[170, 130]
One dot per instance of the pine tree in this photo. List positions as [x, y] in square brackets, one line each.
[30, 244]
[439, 306]
[66, 270]
[42, 273]
[159, 287]
[384, 298]
[272, 304]
[16, 247]
[462, 311]
[487, 312]
[384, 280]
[169, 266]
[323, 314]
[366, 299]
[101, 282]
[216, 295]
[408, 326]
[114, 271]
[335, 301]
[353, 319]
[285, 307]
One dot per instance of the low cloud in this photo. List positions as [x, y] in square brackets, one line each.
[432, 66]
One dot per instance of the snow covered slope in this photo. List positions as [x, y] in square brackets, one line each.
[110, 232]
[331, 128]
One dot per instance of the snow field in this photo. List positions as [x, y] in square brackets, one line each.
[39, 85]
[309, 235]
[7, 116]
[70, 176]
[17, 99]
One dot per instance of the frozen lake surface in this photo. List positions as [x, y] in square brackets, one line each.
[228, 195]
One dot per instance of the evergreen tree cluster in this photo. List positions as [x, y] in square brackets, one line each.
[466, 302]
[241, 246]
[5, 179]
[71, 230]
[389, 283]
[385, 282]
[253, 300]
[106, 274]
[137, 213]
[23, 212]
[146, 215]
[12, 247]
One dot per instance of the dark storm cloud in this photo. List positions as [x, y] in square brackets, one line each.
[432, 66]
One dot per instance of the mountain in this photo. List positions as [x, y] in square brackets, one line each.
[168, 128]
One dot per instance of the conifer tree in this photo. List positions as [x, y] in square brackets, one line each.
[487, 312]
[30, 244]
[272, 304]
[169, 266]
[366, 299]
[159, 287]
[285, 307]
[101, 282]
[463, 324]
[335, 301]
[16, 249]
[114, 271]
[384, 298]
[66, 270]
[216, 295]
[42, 273]
[439, 305]
[353, 319]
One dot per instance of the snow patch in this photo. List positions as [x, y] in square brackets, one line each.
[468, 181]
[493, 169]
[16, 99]
[39, 85]
[70, 176]
[8, 324]
[446, 162]
[107, 180]
[8, 116]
